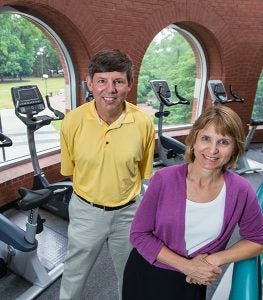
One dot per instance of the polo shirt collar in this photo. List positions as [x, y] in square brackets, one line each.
[125, 117]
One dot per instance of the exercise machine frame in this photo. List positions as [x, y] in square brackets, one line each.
[219, 95]
[28, 104]
[171, 151]
[18, 247]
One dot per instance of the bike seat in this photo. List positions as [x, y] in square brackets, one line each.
[172, 144]
[13, 235]
[33, 198]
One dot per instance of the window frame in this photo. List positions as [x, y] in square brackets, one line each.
[200, 80]
[70, 86]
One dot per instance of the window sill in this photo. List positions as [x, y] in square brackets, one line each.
[23, 169]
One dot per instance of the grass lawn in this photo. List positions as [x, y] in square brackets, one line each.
[46, 86]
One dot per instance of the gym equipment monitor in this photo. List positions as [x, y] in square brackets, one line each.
[27, 99]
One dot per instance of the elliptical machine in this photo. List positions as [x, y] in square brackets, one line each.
[18, 247]
[28, 104]
[219, 95]
[171, 151]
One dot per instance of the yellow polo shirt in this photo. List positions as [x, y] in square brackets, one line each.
[107, 162]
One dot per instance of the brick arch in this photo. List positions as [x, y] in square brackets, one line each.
[200, 20]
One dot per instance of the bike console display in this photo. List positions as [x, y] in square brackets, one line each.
[27, 99]
[162, 91]
[29, 103]
[217, 91]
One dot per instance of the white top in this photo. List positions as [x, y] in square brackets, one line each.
[203, 221]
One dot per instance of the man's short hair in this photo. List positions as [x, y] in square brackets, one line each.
[111, 60]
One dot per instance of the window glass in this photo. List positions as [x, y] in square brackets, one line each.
[175, 56]
[257, 113]
[29, 56]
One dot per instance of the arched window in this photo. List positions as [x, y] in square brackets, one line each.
[176, 56]
[33, 54]
[257, 113]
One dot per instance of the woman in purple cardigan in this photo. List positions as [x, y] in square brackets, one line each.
[188, 214]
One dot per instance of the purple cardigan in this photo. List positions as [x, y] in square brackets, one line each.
[160, 218]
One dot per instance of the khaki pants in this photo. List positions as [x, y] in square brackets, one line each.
[89, 228]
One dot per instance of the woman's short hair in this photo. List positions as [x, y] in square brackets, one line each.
[110, 60]
[227, 122]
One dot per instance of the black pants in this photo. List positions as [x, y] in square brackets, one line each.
[143, 281]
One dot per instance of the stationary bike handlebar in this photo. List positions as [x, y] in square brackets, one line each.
[36, 122]
[181, 100]
[5, 141]
[220, 95]
[235, 97]
[166, 99]
[58, 115]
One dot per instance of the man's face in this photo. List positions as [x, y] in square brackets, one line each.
[109, 89]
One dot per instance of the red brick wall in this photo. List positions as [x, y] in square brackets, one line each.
[231, 32]
[13, 178]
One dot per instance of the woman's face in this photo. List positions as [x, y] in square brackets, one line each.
[213, 150]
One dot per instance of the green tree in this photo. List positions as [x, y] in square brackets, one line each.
[27, 34]
[8, 45]
[20, 41]
[258, 102]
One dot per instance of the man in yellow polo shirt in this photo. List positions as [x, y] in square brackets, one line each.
[107, 147]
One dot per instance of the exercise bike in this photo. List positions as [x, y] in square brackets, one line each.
[171, 151]
[219, 95]
[28, 103]
[18, 247]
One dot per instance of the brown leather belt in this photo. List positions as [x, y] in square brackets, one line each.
[107, 208]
